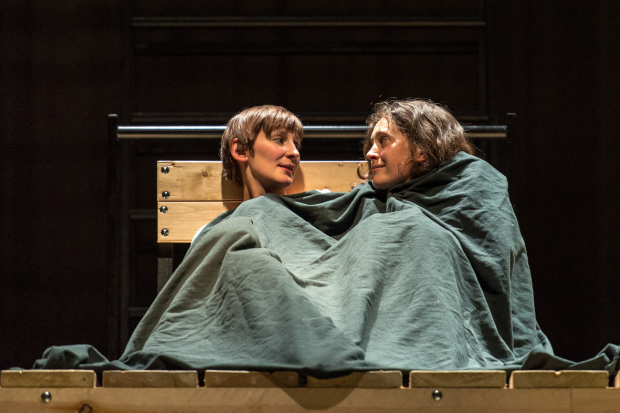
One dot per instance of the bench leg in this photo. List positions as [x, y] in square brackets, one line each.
[164, 264]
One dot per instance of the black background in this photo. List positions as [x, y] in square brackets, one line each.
[61, 74]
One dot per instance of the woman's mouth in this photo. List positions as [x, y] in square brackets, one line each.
[289, 168]
[375, 167]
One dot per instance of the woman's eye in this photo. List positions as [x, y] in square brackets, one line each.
[279, 140]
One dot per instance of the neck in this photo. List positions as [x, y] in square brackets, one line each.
[252, 191]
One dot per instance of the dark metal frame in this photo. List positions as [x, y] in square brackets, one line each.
[124, 138]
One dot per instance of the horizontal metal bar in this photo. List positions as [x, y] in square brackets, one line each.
[396, 48]
[298, 22]
[333, 118]
[137, 312]
[317, 131]
[142, 214]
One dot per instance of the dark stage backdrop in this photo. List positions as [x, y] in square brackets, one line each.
[60, 75]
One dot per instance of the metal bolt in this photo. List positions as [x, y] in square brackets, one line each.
[165, 194]
[165, 232]
[86, 408]
[165, 169]
[46, 397]
[437, 395]
[163, 209]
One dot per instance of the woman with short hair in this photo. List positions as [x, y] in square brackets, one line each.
[260, 150]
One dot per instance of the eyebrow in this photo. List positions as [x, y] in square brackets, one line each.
[380, 133]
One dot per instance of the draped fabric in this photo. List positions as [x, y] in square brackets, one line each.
[430, 275]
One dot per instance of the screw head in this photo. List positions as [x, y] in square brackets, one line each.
[165, 194]
[46, 397]
[163, 209]
[165, 232]
[437, 395]
[165, 169]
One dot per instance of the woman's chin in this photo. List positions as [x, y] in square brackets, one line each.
[380, 184]
[279, 187]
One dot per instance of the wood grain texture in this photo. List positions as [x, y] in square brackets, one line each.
[451, 379]
[595, 400]
[202, 180]
[183, 219]
[220, 378]
[293, 400]
[368, 380]
[558, 379]
[151, 378]
[48, 378]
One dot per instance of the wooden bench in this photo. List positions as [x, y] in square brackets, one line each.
[192, 193]
[426, 391]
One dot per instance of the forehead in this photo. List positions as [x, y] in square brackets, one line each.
[385, 126]
[286, 133]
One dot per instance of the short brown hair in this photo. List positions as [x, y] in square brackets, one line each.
[246, 125]
[427, 126]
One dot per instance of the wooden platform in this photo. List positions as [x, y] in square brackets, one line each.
[165, 391]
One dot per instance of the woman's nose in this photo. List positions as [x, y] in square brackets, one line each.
[372, 153]
[292, 151]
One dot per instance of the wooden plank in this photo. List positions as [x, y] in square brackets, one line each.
[183, 219]
[595, 400]
[294, 400]
[202, 180]
[48, 378]
[558, 379]
[226, 378]
[367, 380]
[337, 176]
[195, 181]
[451, 379]
[151, 378]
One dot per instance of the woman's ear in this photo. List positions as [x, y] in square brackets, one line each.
[237, 152]
[419, 156]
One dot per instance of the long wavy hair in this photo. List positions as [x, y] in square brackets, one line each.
[427, 126]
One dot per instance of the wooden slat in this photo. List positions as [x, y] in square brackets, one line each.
[152, 378]
[183, 219]
[450, 379]
[368, 380]
[221, 378]
[558, 379]
[48, 378]
[298, 400]
[195, 181]
[595, 400]
[202, 180]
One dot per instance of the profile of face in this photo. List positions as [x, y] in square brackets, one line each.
[271, 168]
[390, 155]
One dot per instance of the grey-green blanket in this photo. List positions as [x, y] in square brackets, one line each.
[431, 275]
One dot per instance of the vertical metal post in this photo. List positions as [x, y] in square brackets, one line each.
[128, 61]
[125, 149]
[164, 264]
[123, 160]
[113, 236]
[493, 150]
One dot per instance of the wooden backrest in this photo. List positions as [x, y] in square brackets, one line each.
[192, 193]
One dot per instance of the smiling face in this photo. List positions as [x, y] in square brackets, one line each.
[271, 167]
[390, 155]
